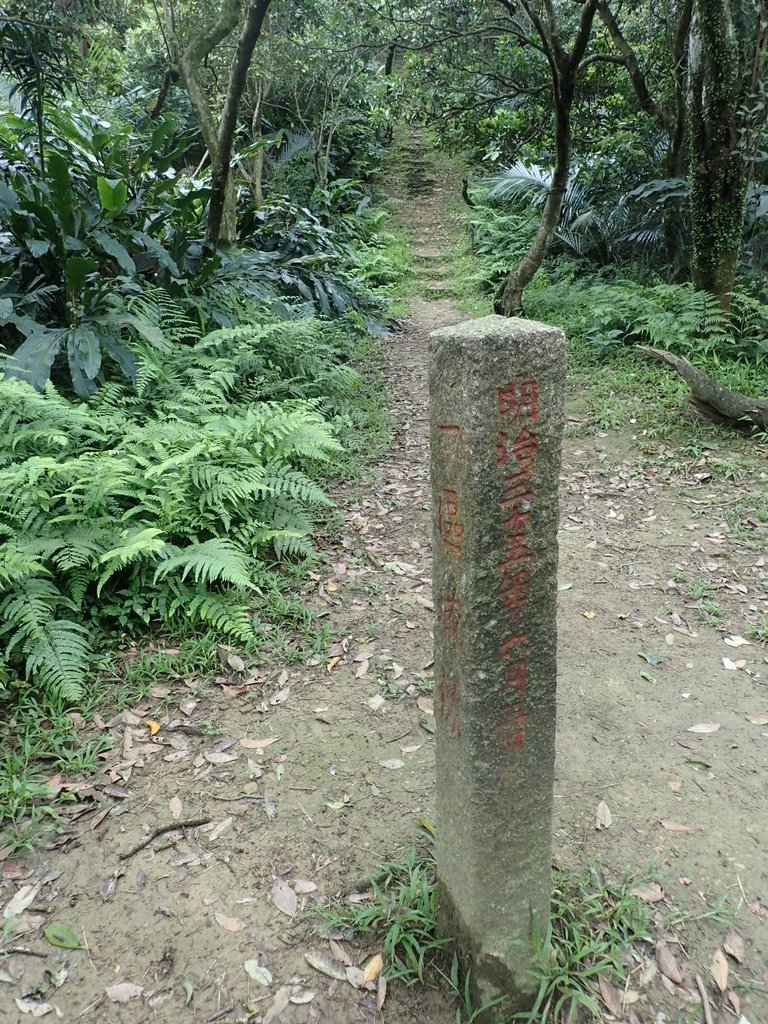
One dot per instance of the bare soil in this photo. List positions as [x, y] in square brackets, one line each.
[295, 770]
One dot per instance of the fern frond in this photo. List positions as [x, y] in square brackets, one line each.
[217, 559]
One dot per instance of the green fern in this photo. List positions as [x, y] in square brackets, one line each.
[167, 501]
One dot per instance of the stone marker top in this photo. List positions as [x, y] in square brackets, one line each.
[497, 327]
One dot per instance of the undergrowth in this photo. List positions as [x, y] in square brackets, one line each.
[180, 508]
[594, 926]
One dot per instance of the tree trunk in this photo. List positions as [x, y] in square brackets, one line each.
[222, 212]
[564, 69]
[718, 181]
[257, 168]
[711, 399]
[509, 301]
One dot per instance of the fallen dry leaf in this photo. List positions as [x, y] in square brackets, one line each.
[24, 898]
[381, 991]
[426, 704]
[392, 763]
[733, 666]
[32, 1007]
[735, 946]
[219, 829]
[603, 816]
[377, 702]
[174, 805]
[232, 924]
[340, 953]
[736, 641]
[589, 615]
[303, 885]
[610, 996]
[284, 897]
[361, 669]
[300, 995]
[373, 968]
[649, 893]
[735, 1001]
[720, 970]
[704, 727]
[219, 757]
[281, 1000]
[355, 976]
[757, 719]
[667, 963]
[123, 992]
[326, 966]
[674, 826]
[250, 744]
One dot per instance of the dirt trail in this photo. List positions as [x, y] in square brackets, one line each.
[297, 770]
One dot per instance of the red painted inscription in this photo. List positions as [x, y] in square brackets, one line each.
[447, 709]
[450, 614]
[516, 452]
[449, 524]
[520, 399]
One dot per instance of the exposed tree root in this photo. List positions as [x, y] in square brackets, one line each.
[711, 399]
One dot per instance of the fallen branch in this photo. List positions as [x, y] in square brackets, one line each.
[160, 831]
[704, 1000]
[712, 399]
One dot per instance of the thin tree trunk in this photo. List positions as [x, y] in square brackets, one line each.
[564, 69]
[169, 78]
[677, 123]
[718, 181]
[222, 213]
[257, 168]
[509, 301]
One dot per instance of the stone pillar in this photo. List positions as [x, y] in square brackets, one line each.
[497, 408]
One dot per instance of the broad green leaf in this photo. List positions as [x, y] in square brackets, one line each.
[37, 246]
[260, 975]
[8, 200]
[122, 355]
[62, 935]
[84, 348]
[113, 193]
[77, 269]
[117, 250]
[61, 191]
[33, 359]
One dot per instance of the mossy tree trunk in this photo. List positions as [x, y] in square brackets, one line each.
[718, 180]
[672, 118]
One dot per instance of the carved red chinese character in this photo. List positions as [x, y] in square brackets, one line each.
[447, 709]
[521, 452]
[512, 728]
[514, 589]
[450, 615]
[449, 524]
[516, 553]
[516, 494]
[516, 647]
[520, 399]
[515, 674]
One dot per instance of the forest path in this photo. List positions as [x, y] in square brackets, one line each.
[309, 775]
